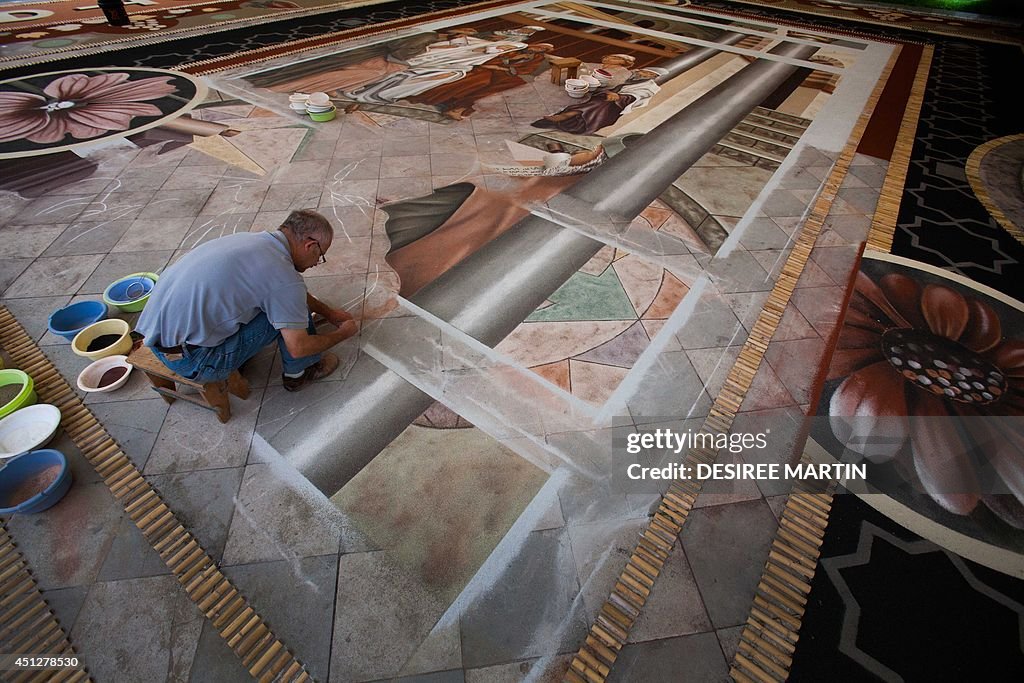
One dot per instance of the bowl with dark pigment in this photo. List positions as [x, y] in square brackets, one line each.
[105, 338]
[17, 390]
[33, 481]
[105, 374]
[68, 321]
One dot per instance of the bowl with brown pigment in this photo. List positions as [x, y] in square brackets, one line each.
[105, 338]
[105, 374]
[33, 481]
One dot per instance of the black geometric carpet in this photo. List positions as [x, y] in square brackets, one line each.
[887, 605]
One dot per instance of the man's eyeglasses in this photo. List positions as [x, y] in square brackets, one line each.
[323, 259]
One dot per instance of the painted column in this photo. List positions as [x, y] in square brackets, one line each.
[488, 294]
[694, 57]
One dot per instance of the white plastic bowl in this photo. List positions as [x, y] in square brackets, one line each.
[28, 429]
[319, 99]
[89, 379]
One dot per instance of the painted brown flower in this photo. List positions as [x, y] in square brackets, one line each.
[81, 106]
[908, 349]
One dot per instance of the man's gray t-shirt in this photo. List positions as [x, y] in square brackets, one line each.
[219, 286]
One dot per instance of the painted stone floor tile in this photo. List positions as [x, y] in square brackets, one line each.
[475, 487]
[593, 321]
[67, 547]
[301, 616]
[138, 629]
[687, 658]
[721, 545]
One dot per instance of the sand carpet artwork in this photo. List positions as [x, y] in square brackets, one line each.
[968, 486]
[927, 402]
[536, 274]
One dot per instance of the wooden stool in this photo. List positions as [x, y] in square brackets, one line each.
[214, 395]
[570, 64]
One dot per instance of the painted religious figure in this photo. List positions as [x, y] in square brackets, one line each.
[441, 63]
[496, 75]
[605, 106]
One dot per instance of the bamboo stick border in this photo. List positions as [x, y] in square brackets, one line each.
[973, 171]
[246, 633]
[883, 225]
[610, 630]
[23, 610]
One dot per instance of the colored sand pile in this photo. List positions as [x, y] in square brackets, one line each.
[102, 342]
[8, 392]
[33, 485]
[111, 376]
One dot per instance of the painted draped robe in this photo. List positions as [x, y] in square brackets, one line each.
[440, 64]
[598, 111]
[502, 73]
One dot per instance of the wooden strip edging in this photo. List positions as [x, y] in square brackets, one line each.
[27, 625]
[883, 225]
[973, 171]
[610, 630]
[263, 654]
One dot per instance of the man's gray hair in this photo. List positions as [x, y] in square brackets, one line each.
[308, 224]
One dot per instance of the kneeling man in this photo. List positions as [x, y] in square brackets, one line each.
[225, 300]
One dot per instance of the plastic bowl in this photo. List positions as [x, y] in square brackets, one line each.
[130, 293]
[319, 98]
[20, 470]
[80, 344]
[89, 379]
[28, 429]
[25, 397]
[72, 319]
[322, 116]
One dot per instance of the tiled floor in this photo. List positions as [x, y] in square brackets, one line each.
[350, 602]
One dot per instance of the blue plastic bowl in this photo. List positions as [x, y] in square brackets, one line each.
[21, 468]
[70, 320]
[129, 289]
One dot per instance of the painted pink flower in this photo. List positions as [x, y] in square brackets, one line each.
[81, 106]
[907, 350]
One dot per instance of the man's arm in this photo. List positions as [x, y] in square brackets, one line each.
[301, 343]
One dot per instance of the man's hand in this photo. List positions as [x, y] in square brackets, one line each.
[337, 316]
[301, 343]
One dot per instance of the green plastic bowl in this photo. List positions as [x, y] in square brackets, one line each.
[135, 305]
[25, 397]
[323, 116]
